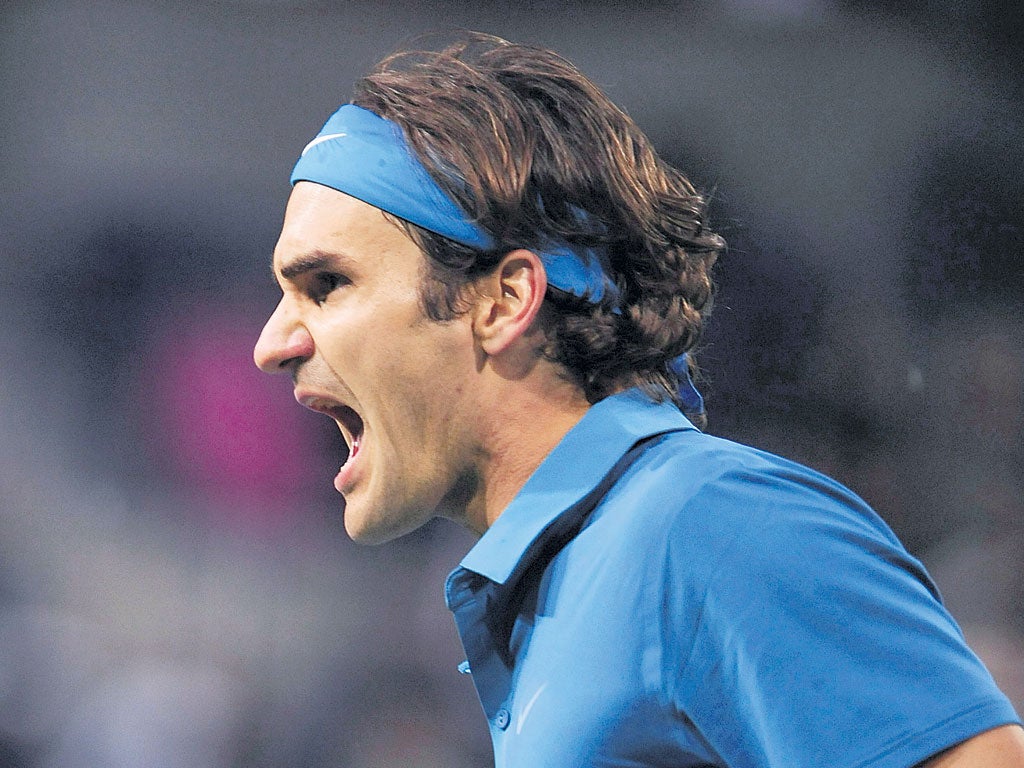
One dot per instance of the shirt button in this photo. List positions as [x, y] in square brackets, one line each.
[502, 718]
[464, 668]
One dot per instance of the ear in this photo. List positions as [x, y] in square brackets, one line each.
[509, 300]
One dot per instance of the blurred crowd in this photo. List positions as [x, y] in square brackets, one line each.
[176, 588]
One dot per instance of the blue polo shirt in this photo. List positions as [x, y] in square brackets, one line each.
[655, 596]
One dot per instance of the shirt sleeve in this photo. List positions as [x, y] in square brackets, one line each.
[819, 640]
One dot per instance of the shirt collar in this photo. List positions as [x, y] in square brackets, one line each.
[575, 467]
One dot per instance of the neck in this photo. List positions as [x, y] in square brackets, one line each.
[528, 423]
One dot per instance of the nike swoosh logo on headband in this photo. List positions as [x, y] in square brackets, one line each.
[320, 139]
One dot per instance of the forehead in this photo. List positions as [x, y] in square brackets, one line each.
[320, 221]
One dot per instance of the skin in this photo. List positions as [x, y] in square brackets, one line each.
[999, 748]
[455, 415]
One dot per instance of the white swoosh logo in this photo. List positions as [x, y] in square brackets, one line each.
[527, 708]
[320, 140]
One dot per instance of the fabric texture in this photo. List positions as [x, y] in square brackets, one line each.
[655, 596]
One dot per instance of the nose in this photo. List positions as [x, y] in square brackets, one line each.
[283, 343]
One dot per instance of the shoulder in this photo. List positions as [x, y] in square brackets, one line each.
[706, 499]
[782, 597]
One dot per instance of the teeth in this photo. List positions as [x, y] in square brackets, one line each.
[350, 424]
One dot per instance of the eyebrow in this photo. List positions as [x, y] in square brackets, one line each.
[309, 262]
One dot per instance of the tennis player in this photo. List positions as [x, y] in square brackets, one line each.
[491, 283]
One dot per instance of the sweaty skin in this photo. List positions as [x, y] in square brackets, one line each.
[442, 418]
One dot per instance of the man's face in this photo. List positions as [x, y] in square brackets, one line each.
[351, 331]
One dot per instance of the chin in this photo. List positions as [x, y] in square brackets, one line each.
[374, 532]
[369, 536]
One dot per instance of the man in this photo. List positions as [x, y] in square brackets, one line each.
[490, 281]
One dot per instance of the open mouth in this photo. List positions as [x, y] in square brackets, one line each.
[351, 426]
[350, 423]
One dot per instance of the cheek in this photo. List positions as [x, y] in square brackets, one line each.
[346, 344]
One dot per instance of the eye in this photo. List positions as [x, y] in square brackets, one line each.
[324, 284]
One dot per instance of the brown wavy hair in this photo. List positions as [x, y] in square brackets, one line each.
[522, 140]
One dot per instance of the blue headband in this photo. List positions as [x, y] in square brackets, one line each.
[366, 156]
[363, 155]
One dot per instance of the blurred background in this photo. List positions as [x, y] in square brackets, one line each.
[176, 588]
